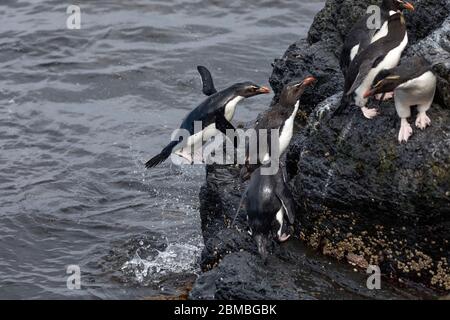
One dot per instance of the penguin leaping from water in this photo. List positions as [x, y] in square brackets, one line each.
[384, 53]
[413, 83]
[360, 36]
[215, 114]
[280, 117]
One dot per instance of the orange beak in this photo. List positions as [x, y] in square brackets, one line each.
[264, 90]
[369, 93]
[308, 80]
[408, 6]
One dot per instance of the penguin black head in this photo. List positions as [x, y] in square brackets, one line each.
[385, 81]
[249, 89]
[292, 91]
[397, 5]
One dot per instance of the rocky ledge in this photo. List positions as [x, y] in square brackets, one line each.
[362, 197]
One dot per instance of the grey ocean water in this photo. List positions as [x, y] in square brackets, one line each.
[81, 110]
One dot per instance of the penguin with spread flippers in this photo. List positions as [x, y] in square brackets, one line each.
[413, 83]
[363, 33]
[384, 53]
[270, 208]
[214, 113]
[280, 117]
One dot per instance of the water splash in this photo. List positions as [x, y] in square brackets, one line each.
[176, 258]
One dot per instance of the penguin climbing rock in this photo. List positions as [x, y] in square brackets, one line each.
[384, 53]
[280, 117]
[360, 36]
[215, 113]
[413, 83]
[270, 208]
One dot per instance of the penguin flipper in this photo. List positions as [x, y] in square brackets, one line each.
[364, 70]
[207, 81]
[222, 124]
[285, 197]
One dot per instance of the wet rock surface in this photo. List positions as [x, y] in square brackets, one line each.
[362, 197]
[364, 193]
[232, 268]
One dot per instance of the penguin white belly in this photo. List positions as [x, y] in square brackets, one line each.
[380, 33]
[390, 61]
[393, 57]
[288, 130]
[383, 32]
[280, 219]
[354, 52]
[417, 91]
[199, 137]
[230, 107]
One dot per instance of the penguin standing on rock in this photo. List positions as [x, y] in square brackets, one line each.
[384, 53]
[215, 113]
[413, 83]
[270, 208]
[280, 117]
[361, 36]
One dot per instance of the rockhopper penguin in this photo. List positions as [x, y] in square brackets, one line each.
[413, 83]
[360, 36]
[280, 117]
[384, 53]
[270, 208]
[215, 113]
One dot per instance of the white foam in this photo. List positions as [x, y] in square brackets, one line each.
[176, 258]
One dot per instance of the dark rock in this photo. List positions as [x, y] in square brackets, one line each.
[364, 193]
[359, 193]
[234, 270]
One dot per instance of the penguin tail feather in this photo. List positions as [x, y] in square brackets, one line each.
[162, 156]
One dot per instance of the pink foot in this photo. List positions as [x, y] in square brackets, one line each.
[387, 96]
[284, 237]
[405, 131]
[369, 113]
[422, 121]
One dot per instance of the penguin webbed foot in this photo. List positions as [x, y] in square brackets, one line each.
[405, 131]
[369, 113]
[284, 237]
[422, 121]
